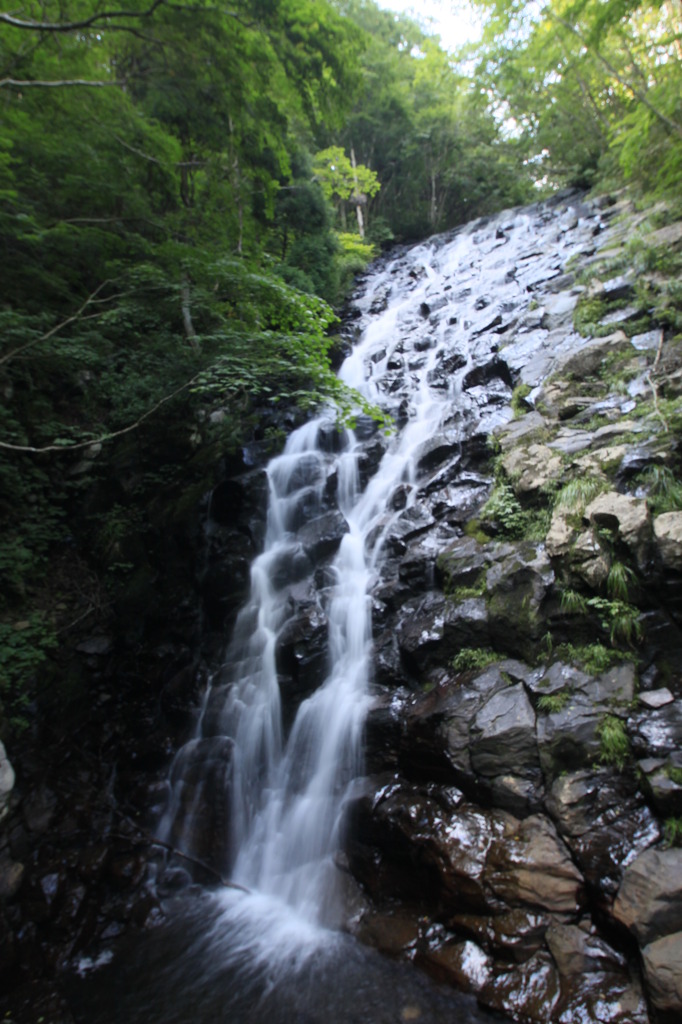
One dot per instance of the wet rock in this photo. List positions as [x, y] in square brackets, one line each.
[322, 536]
[503, 735]
[460, 564]
[656, 698]
[390, 931]
[530, 991]
[11, 876]
[657, 733]
[662, 961]
[495, 368]
[604, 820]
[518, 933]
[462, 964]
[97, 645]
[512, 433]
[588, 560]
[649, 901]
[529, 864]
[659, 784]
[431, 630]
[180, 694]
[301, 651]
[588, 359]
[577, 952]
[557, 677]
[561, 535]
[39, 809]
[440, 448]
[290, 566]
[517, 586]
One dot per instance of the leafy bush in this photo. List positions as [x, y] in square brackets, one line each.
[614, 742]
[474, 658]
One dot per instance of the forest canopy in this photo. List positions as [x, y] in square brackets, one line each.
[188, 190]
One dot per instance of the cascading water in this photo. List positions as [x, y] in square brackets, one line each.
[426, 324]
[286, 799]
[263, 802]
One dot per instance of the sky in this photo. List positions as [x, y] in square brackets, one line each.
[454, 21]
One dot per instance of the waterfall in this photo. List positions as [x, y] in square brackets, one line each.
[424, 325]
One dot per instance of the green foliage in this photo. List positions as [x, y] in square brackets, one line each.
[620, 582]
[593, 88]
[575, 495]
[664, 490]
[474, 659]
[614, 742]
[619, 619]
[508, 517]
[504, 509]
[553, 703]
[593, 658]
[24, 647]
[573, 603]
[672, 831]
[519, 406]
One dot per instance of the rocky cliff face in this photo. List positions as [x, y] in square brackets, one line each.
[515, 831]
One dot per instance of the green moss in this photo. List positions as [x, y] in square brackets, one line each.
[475, 530]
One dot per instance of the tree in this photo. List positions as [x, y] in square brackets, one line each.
[588, 84]
[344, 181]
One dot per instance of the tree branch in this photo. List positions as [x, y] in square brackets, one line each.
[104, 437]
[49, 334]
[17, 84]
[72, 26]
[672, 125]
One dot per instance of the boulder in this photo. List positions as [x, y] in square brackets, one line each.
[322, 536]
[627, 517]
[662, 962]
[532, 468]
[502, 736]
[568, 738]
[529, 864]
[668, 539]
[529, 992]
[649, 901]
[604, 821]
[659, 785]
[561, 535]
[588, 359]
[462, 964]
[577, 951]
[517, 586]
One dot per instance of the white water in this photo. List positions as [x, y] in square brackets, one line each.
[286, 795]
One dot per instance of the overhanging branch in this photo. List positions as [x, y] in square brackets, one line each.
[18, 84]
